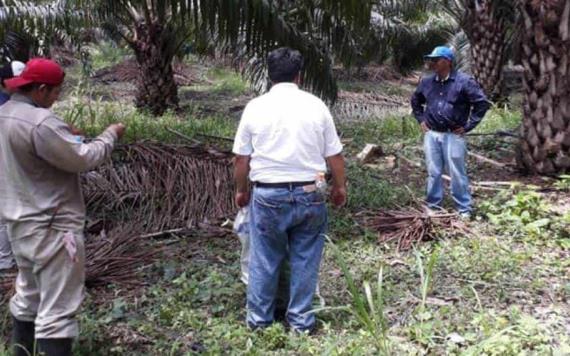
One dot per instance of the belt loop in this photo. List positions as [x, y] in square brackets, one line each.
[290, 186]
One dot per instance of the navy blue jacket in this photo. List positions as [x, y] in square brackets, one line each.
[446, 105]
[4, 98]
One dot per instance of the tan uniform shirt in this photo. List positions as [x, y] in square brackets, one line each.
[39, 164]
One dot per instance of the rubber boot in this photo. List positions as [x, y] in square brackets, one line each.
[22, 337]
[55, 347]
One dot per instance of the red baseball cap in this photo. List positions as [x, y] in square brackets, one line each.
[38, 70]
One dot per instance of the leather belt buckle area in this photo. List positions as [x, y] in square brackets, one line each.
[444, 131]
[288, 185]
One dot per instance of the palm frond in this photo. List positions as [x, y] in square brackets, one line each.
[406, 30]
[36, 24]
[321, 30]
[462, 47]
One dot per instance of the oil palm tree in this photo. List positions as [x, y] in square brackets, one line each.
[406, 30]
[545, 131]
[156, 30]
[488, 26]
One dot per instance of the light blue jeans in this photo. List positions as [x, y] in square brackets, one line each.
[284, 223]
[446, 151]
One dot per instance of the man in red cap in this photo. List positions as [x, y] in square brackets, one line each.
[43, 206]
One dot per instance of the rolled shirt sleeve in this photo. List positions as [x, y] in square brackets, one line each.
[478, 101]
[54, 142]
[242, 142]
[333, 146]
[417, 102]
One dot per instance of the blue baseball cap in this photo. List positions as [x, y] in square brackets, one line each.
[441, 52]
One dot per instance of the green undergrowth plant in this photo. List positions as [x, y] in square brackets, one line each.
[107, 53]
[93, 118]
[227, 81]
[89, 113]
[388, 130]
[563, 183]
[367, 305]
[425, 266]
[426, 271]
[4, 350]
[499, 119]
[511, 333]
[370, 191]
[522, 213]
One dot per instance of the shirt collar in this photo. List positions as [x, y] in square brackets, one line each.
[22, 98]
[284, 86]
[450, 76]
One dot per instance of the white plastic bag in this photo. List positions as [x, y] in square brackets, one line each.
[241, 228]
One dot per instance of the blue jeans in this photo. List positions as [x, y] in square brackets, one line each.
[446, 150]
[284, 224]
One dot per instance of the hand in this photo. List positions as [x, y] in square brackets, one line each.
[75, 130]
[119, 129]
[338, 196]
[242, 199]
[425, 127]
[459, 131]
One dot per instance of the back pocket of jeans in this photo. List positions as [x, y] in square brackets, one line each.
[268, 203]
[313, 199]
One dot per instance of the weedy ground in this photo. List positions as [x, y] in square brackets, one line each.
[503, 289]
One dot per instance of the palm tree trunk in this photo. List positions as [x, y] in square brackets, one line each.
[486, 34]
[545, 144]
[156, 88]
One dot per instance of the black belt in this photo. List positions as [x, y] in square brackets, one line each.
[444, 130]
[289, 185]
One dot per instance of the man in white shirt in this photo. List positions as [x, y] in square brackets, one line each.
[284, 141]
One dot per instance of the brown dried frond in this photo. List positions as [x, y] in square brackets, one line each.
[164, 186]
[410, 226]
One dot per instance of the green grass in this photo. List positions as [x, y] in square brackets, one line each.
[106, 54]
[383, 87]
[197, 304]
[369, 191]
[499, 119]
[388, 131]
[220, 81]
[405, 129]
[227, 81]
[93, 117]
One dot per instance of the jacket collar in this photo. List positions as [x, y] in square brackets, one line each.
[452, 75]
[22, 98]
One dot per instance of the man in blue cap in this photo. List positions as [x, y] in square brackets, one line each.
[447, 104]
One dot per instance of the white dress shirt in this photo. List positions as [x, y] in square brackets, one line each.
[288, 133]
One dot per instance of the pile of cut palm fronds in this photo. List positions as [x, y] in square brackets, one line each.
[147, 187]
[163, 186]
[409, 226]
[116, 257]
[6, 286]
